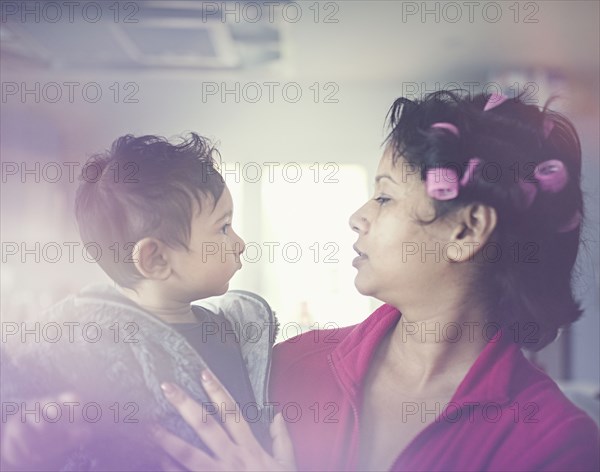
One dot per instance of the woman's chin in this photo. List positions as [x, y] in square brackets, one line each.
[363, 286]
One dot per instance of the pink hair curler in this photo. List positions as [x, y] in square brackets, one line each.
[470, 171]
[442, 183]
[551, 175]
[447, 126]
[494, 101]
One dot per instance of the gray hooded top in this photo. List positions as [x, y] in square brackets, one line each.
[114, 355]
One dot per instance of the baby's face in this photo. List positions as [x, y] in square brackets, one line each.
[395, 266]
[214, 253]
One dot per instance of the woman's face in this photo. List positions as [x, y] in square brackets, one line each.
[402, 260]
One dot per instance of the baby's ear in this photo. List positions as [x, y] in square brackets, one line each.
[475, 224]
[150, 258]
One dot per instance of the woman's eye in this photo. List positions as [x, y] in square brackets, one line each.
[382, 200]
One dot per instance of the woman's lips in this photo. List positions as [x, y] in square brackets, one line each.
[361, 256]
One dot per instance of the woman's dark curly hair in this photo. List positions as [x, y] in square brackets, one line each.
[529, 281]
[143, 187]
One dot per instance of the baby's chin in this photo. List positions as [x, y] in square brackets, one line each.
[217, 291]
[223, 289]
[202, 292]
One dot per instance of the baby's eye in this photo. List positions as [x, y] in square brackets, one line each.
[382, 200]
[224, 228]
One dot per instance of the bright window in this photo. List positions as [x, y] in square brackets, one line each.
[309, 280]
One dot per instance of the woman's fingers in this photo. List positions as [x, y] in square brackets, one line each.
[283, 451]
[206, 427]
[241, 451]
[184, 453]
[231, 416]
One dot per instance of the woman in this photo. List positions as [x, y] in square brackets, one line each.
[470, 242]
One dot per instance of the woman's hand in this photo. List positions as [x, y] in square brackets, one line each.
[233, 445]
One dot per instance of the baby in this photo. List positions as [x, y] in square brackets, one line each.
[157, 217]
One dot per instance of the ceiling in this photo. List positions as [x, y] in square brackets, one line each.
[345, 40]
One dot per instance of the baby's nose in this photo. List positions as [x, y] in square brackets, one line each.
[242, 246]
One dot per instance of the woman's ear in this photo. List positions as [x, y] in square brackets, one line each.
[475, 224]
[151, 259]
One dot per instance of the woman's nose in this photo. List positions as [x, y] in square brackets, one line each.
[358, 222]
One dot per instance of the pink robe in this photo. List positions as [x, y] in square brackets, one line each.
[506, 414]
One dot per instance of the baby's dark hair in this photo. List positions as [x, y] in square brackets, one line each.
[529, 282]
[143, 187]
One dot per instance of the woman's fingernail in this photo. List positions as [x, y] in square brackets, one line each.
[169, 390]
[207, 377]
[280, 420]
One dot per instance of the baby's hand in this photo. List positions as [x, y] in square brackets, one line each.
[33, 443]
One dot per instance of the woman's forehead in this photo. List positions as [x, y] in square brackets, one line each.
[399, 169]
[385, 162]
